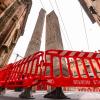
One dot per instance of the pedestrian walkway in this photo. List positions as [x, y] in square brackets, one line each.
[11, 95]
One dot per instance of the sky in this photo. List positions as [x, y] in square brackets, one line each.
[74, 34]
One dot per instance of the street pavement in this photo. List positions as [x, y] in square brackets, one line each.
[11, 95]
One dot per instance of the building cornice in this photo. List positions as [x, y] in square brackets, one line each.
[28, 3]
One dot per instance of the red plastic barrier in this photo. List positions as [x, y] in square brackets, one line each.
[89, 62]
[54, 67]
[24, 73]
[4, 74]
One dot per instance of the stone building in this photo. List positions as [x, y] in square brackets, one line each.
[92, 8]
[13, 17]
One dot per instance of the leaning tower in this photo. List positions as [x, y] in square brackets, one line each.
[34, 46]
[54, 41]
[35, 42]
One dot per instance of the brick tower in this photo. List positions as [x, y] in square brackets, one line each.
[34, 46]
[35, 42]
[54, 41]
[53, 34]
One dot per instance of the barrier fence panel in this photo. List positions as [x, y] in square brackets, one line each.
[83, 68]
[24, 73]
[4, 74]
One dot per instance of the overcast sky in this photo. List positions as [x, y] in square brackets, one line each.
[71, 14]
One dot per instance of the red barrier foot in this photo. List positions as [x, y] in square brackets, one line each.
[27, 94]
[18, 89]
[2, 91]
[56, 94]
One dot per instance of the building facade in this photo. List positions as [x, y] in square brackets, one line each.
[13, 17]
[92, 8]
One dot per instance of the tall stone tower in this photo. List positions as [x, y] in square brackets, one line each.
[53, 38]
[13, 17]
[54, 41]
[35, 42]
[34, 46]
[53, 34]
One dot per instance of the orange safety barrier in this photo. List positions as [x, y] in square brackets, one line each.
[53, 67]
